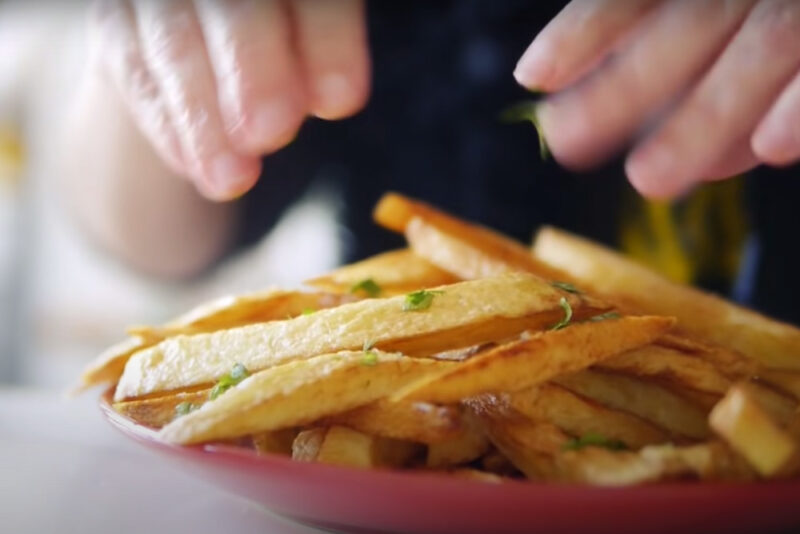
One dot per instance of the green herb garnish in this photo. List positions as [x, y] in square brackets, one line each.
[185, 408]
[605, 316]
[308, 311]
[420, 300]
[367, 286]
[565, 286]
[567, 314]
[237, 374]
[595, 440]
[368, 344]
[370, 358]
[526, 111]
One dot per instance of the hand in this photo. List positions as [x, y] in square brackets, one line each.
[215, 84]
[714, 85]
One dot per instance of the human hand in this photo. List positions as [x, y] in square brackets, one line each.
[215, 84]
[714, 85]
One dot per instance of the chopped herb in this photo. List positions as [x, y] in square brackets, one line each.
[367, 286]
[185, 408]
[370, 358]
[565, 286]
[308, 311]
[594, 440]
[368, 344]
[237, 374]
[567, 314]
[605, 316]
[420, 300]
[526, 111]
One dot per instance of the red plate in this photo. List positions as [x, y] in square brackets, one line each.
[353, 500]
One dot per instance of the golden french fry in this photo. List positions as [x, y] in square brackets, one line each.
[611, 276]
[477, 475]
[462, 314]
[786, 381]
[395, 273]
[469, 445]
[729, 363]
[345, 446]
[307, 443]
[743, 422]
[158, 411]
[408, 421]
[537, 359]
[669, 366]
[464, 249]
[224, 312]
[275, 442]
[647, 400]
[495, 462]
[299, 393]
[578, 416]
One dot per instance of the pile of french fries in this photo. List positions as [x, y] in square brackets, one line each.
[472, 354]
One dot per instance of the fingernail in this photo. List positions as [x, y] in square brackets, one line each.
[334, 96]
[272, 123]
[650, 171]
[230, 176]
[775, 142]
[535, 68]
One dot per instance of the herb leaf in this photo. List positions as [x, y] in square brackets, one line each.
[420, 300]
[566, 286]
[308, 311]
[595, 440]
[370, 358]
[185, 408]
[367, 286]
[526, 111]
[567, 314]
[605, 316]
[368, 344]
[237, 374]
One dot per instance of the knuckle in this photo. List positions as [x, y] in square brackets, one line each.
[778, 22]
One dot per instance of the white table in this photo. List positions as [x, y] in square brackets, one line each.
[64, 470]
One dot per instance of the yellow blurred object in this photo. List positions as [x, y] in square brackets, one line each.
[698, 238]
[12, 155]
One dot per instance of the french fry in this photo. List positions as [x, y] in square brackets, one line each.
[462, 314]
[467, 250]
[669, 366]
[731, 364]
[224, 312]
[647, 400]
[633, 287]
[752, 432]
[579, 417]
[345, 446]
[298, 393]
[307, 443]
[158, 411]
[541, 357]
[784, 380]
[275, 442]
[395, 273]
[469, 445]
[409, 421]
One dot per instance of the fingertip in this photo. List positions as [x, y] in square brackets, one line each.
[535, 68]
[648, 172]
[337, 95]
[773, 143]
[271, 125]
[228, 176]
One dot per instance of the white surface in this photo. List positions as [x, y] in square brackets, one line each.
[64, 470]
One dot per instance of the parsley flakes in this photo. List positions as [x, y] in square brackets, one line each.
[420, 300]
[367, 286]
[237, 374]
[567, 315]
[566, 286]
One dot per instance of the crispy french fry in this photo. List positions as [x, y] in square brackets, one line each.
[395, 273]
[345, 446]
[495, 462]
[647, 400]
[669, 366]
[307, 443]
[464, 249]
[784, 380]
[579, 416]
[275, 442]
[409, 421]
[750, 430]
[731, 364]
[298, 393]
[158, 411]
[633, 287]
[224, 312]
[544, 355]
[469, 445]
[462, 314]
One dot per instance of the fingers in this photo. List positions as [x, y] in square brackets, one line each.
[575, 40]
[331, 39]
[738, 159]
[590, 121]
[726, 106]
[114, 33]
[777, 138]
[258, 79]
[174, 48]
